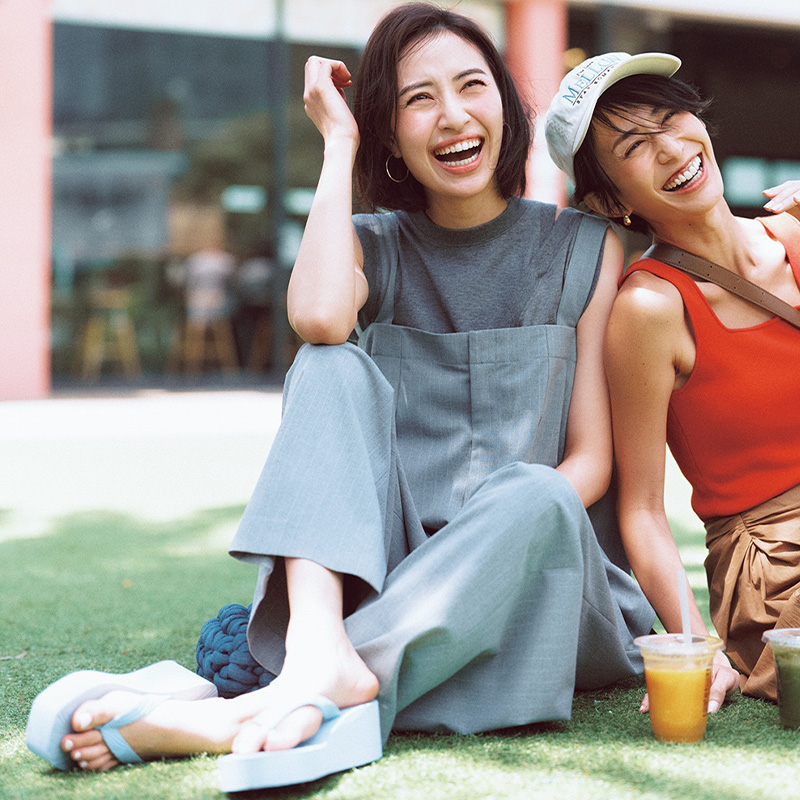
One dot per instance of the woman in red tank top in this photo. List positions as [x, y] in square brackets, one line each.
[691, 364]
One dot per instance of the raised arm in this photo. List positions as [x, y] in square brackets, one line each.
[648, 348]
[588, 451]
[327, 286]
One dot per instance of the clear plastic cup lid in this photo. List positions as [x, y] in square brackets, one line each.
[668, 643]
[783, 637]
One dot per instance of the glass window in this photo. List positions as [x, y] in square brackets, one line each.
[164, 193]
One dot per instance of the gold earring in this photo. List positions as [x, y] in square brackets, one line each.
[626, 220]
[396, 180]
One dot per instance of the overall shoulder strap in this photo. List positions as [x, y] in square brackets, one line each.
[735, 284]
[579, 276]
[389, 256]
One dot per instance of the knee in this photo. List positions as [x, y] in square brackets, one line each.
[345, 364]
[328, 356]
[540, 500]
[532, 485]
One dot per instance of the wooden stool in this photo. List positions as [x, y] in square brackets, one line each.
[261, 345]
[109, 335]
[204, 342]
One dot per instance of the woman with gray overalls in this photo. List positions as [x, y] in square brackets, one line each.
[420, 526]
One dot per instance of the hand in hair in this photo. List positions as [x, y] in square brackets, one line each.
[325, 103]
[785, 197]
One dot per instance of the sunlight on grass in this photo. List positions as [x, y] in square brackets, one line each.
[110, 591]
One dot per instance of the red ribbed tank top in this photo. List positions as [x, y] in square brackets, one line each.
[734, 426]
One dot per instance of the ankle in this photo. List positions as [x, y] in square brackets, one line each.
[323, 633]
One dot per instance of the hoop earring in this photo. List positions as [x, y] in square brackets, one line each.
[391, 177]
[626, 220]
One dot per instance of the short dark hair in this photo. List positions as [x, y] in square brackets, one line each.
[375, 106]
[623, 99]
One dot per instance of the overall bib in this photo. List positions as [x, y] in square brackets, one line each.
[421, 466]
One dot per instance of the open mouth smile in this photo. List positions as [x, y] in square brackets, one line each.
[459, 154]
[688, 176]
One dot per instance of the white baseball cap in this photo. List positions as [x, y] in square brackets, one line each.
[570, 112]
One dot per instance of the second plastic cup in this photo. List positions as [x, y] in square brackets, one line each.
[678, 675]
[785, 644]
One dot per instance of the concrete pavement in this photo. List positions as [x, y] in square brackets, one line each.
[153, 454]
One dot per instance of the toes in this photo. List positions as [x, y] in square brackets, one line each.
[97, 763]
[93, 713]
[296, 728]
[109, 762]
[101, 764]
[78, 741]
[261, 733]
[250, 739]
[85, 745]
[90, 753]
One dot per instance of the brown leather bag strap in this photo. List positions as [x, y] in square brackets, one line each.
[735, 284]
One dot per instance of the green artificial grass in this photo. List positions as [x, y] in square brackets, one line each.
[110, 592]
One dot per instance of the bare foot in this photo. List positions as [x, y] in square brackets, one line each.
[320, 660]
[244, 724]
[173, 728]
[333, 670]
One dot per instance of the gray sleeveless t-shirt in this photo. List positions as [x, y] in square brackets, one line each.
[506, 273]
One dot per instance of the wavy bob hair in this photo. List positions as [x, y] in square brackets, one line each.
[375, 105]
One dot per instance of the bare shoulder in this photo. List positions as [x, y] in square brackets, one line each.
[648, 332]
[647, 301]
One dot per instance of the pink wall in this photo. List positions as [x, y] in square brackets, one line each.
[536, 38]
[25, 133]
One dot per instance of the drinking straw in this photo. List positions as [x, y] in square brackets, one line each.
[683, 594]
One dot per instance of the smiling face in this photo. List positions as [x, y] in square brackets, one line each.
[449, 127]
[662, 163]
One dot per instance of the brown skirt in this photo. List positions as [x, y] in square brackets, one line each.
[753, 570]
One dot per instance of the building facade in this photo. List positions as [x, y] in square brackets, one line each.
[159, 165]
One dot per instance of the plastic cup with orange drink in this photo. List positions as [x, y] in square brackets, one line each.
[677, 669]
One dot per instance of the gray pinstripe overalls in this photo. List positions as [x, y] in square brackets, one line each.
[420, 465]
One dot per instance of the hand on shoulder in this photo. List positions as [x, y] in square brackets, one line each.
[785, 197]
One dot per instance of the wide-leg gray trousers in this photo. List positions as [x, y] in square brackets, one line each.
[491, 621]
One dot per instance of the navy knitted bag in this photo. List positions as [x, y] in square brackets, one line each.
[223, 656]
